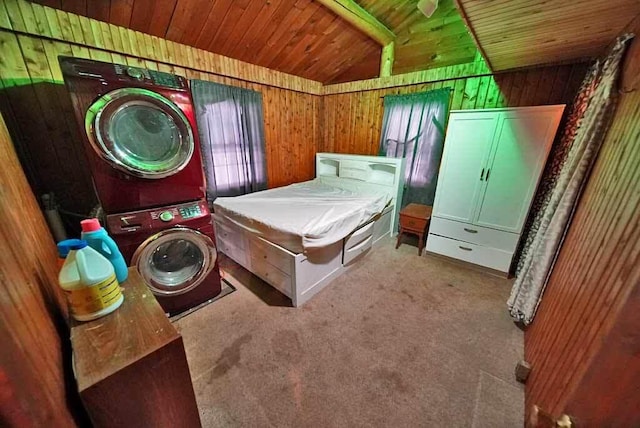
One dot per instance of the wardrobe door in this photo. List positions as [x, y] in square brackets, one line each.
[523, 139]
[466, 151]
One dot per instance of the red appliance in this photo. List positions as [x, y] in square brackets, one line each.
[140, 134]
[173, 249]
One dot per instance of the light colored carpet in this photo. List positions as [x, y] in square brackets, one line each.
[399, 340]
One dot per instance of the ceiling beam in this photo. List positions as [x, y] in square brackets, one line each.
[386, 61]
[467, 23]
[353, 13]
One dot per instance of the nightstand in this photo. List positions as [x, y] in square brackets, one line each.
[414, 219]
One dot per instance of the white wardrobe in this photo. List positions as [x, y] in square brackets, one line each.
[490, 169]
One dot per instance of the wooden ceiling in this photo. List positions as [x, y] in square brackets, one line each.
[299, 37]
[522, 33]
[304, 38]
[421, 42]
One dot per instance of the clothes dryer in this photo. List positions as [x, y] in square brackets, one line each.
[139, 131]
[173, 250]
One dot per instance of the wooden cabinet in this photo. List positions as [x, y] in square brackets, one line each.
[491, 166]
[131, 367]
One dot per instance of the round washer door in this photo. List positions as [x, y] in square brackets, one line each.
[175, 260]
[140, 132]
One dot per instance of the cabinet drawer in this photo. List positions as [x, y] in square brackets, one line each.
[358, 236]
[355, 251]
[272, 275]
[472, 253]
[417, 224]
[479, 235]
[275, 257]
[229, 235]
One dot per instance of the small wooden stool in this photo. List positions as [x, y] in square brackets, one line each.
[414, 219]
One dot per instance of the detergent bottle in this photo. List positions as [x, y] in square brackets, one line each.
[99, 240]
[89, 281]
[63, 252]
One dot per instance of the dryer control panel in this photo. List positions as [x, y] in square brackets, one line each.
[157, 218]
[153, 77]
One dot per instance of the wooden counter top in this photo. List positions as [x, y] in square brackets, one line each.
[138, 327]
[130, 365]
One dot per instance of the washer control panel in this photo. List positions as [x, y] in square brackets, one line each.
[166, 216]
[153, 77]
[159, 218]
[190, 211]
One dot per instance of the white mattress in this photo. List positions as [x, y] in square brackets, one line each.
[301, 216]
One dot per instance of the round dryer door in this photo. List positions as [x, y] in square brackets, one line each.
[140, 132]
[175, 260]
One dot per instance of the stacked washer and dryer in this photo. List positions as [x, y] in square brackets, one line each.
[142, 146]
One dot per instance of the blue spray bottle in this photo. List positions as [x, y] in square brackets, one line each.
[99, 240]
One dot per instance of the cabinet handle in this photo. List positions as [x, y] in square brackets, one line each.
[487, 177]
[470, 230]
[482, 175]
[465, 248]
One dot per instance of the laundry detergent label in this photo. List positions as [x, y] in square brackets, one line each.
[88, 300]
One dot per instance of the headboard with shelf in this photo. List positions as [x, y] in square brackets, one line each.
[359, 172]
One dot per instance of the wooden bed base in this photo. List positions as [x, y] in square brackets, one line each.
[298, 276]
[301, 276]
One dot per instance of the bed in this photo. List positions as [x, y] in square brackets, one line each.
[298, 238]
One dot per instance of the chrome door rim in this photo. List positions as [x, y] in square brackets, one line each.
[94, 122]
[200, 240]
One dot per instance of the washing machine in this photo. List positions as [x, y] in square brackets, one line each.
[139, 131]
[173, 250]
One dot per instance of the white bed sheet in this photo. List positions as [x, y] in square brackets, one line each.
[301, 216]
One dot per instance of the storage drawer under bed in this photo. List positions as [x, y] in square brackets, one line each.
[272, 275]
[232, 251]
[357, 243]
[229, 235]
[276, 257]
[358, 236]
[354, 252]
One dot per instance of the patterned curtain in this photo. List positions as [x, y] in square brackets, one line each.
[413, 128]
[563, 181]
[231, 130]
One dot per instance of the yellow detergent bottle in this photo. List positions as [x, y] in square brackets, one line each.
[89, 281]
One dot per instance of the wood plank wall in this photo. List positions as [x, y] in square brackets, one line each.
[597, 269]
[32, 374]
[25, 17]
[39, 115]
[352, 121]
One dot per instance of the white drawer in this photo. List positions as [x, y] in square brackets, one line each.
[482, 236]
[484, 256]
[272, 275]
[237, 254]
[267, 252]
[355, 251]
[229, 235]
[358, 236]
[382, 225]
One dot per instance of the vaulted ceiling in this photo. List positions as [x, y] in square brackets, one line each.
[522, 33]
[305, 38]
[300, 37]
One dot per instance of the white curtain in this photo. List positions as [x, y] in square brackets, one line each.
[231, 130]
[553, 219]
[413, 128]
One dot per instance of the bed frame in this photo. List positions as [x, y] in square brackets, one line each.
[301, 275]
